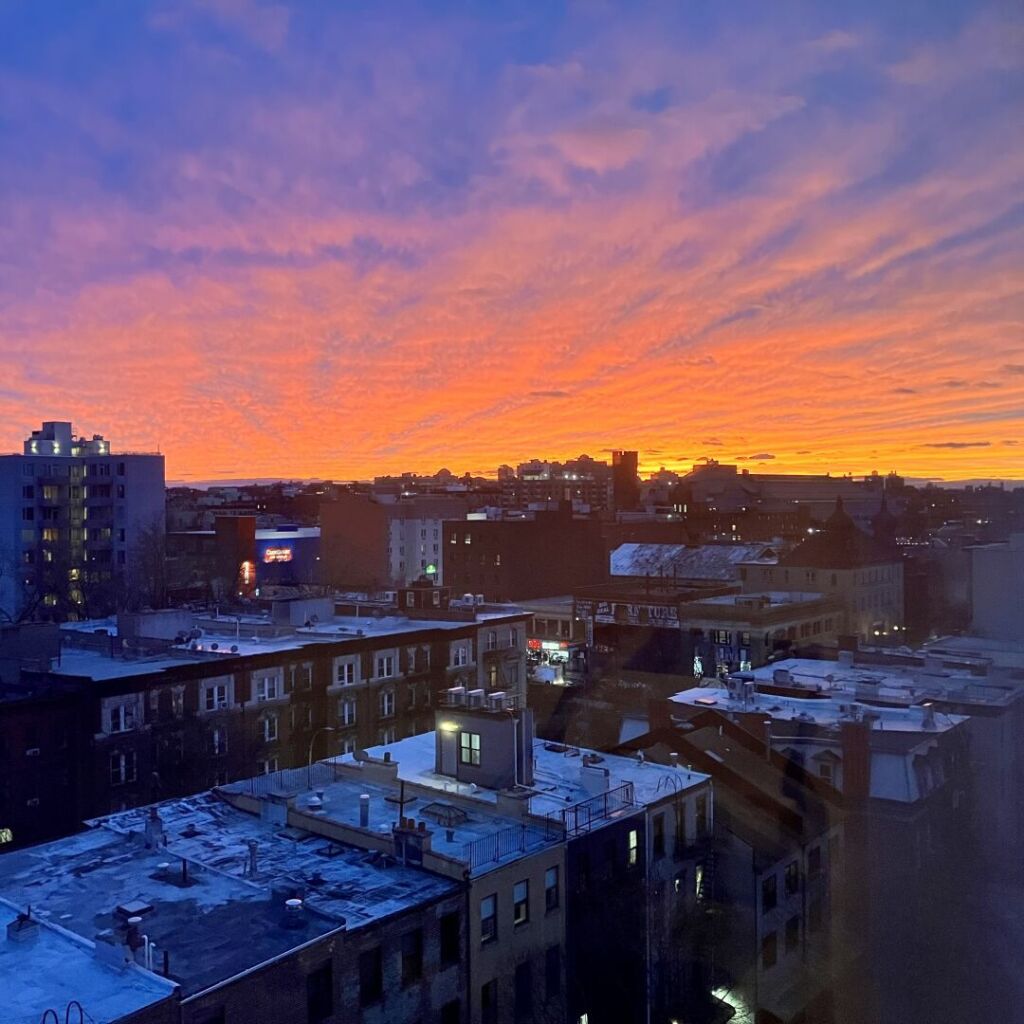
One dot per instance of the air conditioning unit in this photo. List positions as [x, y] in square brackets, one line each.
[496, 701]
[456, 696]
[475, 698]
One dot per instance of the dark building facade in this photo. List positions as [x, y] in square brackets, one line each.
[517, 559]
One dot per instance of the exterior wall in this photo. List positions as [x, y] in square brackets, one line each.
[997, 589]
[515, 945]
[871, 597]
[279, 993]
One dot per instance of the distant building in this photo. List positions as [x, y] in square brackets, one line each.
[581, 482]
[997, 589]
[74, 524]
[625, 480]
[843, 562]
[699, 628]
[545, 553]
[683, 563]
[385, 541]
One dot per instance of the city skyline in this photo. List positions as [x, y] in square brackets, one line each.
[290, 240]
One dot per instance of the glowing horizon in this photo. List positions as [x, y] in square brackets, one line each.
[291, 240]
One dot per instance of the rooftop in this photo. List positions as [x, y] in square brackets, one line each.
[197, 894]
[56, 967]
[825, 712]
[891, 684]
[708, 561]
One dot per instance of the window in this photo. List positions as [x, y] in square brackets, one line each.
[121, 718]
[469, 748]
[320, 994]
[267, 688]
[679, 883]
[347, 712]
[344, 673]
[215, 697]
[460, 655]
[551, 888]
[552, 972]
[492, 640]
[268, 728]
[722, 637]
[387, 703]
[769, 893]
[792, 878]
[632, 847]
[814, 916]
[521, 902]
[489, 997]
[28, 513]
[769, 950]
[658, 839]
[122, 768]
[412, 957]
[28, 491]
[302, 676]
[451, 1013]
[385, 666]
[450, 938]
[219, 740]
[266, 765]
[523, 991]
[814, 861]
[488, 919]
[792, 933]
[371, 980]
[825, 771]
[386, 735]
[513, 637]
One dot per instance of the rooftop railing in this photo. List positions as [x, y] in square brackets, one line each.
[582, 817]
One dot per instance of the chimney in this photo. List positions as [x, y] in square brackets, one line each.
[364, 810]
[154, 830]
[293, 915]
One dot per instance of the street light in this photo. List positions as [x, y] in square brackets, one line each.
[309, 760]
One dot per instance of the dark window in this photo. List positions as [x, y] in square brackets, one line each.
[792, 934]
[553, 972]
[551, 888]
[320, 993]
[524, 991]
[814, 861]
[658, 841]
[792, 878]
[371, 981]
[488, 918]
[814, 916]
[769, 950]
[769, 894]
[702, 816]
[412, 957]
[521, 902]
[451, 1013]
[450, 938]
[489, 1002]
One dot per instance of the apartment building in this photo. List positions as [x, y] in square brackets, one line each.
[73, 518]
[123, 716]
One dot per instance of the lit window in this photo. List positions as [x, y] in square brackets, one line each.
[469, 748]
[632, 847]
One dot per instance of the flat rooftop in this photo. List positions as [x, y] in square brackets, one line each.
[231, 636]
[56, 967]
[198, 916]
[894, 684]
[824, 712]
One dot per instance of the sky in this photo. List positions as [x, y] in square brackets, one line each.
[319, 239]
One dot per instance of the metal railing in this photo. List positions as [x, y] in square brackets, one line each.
[581, 817]
[495, 847]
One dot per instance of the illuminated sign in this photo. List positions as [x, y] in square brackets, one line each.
[431, 569]
[248, 570]
[6, 836]
[277, 555]
[534, 645]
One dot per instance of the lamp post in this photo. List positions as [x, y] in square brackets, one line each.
[309, 760]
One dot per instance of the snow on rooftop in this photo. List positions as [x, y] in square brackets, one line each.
[54, 968]
[708, 561]
[824, 712]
